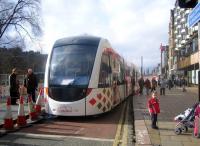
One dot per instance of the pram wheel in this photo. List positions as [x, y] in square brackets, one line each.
[184, 129]
[177, 131]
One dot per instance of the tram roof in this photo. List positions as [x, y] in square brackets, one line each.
[80, 40]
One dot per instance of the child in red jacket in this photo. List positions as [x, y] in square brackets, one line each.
[154, 109]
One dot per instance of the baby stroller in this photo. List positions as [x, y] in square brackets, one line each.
[185, 120]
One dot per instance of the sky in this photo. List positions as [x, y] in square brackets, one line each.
[134, 28]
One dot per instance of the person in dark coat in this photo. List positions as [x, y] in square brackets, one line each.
[141, 84]
[183, 82]
[170, 84]
[147, 85]
[14, 87]
[31, 83]
[153, 84]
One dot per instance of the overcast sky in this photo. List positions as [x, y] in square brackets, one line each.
[134, 28]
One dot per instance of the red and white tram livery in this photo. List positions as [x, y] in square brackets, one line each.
[85, 76]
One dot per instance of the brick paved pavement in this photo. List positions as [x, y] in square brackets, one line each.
[173, 103]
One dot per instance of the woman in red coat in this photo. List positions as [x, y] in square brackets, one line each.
[154, 109]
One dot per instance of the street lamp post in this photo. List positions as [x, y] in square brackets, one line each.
[198, 84]
[199, 57]
[141, 65]
[199, 60]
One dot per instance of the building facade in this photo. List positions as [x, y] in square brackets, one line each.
[183, 46]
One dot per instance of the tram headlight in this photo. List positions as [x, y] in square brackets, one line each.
[46, 91]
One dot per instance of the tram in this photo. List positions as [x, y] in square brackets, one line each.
[84, 76]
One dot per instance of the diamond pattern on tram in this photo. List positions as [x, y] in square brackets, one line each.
[92, 101]
[108, 105]
[108, 93]
[104, 100]
[99, 96]
[104, 109]
[99, 105]
[104, 91]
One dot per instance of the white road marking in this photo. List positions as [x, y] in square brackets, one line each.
[61, 136]
[78, 131]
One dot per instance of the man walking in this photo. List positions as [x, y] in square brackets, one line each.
[154, 84]
[147, 84]
[14, 87]
[31, 83]
[183, 82]
[141, 84]
[162, 87]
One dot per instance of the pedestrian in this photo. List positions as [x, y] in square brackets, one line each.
[183, 82]
[147, 85]
[162, 86]
[153, 84]
[170, 84]
[154, 109]
[31, 83]
[141, 84]
[14, 87]
[197, 121]
[159, 81]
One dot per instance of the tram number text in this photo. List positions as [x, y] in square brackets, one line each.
[64, 109]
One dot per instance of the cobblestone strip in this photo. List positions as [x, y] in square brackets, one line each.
[141, 132]
[130, 122]
[117, 140]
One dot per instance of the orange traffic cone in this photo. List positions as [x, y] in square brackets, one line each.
[32, 113]
[8, 120]
[39, 102]
[21, 119]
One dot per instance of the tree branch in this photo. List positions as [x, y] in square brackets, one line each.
[5, 10]
[10, 18]
[20, 15]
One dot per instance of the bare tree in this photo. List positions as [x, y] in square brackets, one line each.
[12, 42]
[22, 17]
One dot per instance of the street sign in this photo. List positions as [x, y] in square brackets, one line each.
[194, 16]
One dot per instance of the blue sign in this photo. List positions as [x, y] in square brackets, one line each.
[194, 16]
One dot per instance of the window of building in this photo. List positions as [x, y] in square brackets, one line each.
[175, 59]
[183, 37]
[194, 45]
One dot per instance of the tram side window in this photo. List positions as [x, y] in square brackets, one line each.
[105, 72]
[122, 72]
[117, 70]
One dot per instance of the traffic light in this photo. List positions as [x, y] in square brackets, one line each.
[187, 3]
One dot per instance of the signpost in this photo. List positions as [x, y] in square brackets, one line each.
[194, 18]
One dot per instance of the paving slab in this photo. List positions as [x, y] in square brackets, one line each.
[142, 136]
[173, 103]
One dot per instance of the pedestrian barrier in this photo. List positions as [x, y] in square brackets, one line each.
[12, 122]
[32, 112]
[21, 119]
[3, 93]
[8, 120]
